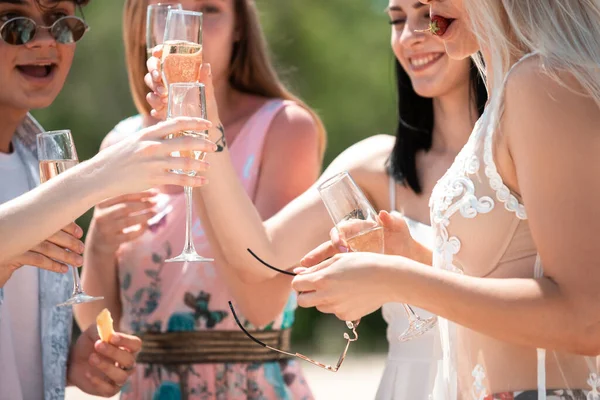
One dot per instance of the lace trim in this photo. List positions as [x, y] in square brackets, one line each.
[455, 183]
[502, 191]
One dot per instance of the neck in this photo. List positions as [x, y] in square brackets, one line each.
[226, 99]
[454, 116]
[11, 118]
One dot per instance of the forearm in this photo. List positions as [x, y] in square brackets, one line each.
[528, 312]
[99, 278]
[281, 241]
[36, 215]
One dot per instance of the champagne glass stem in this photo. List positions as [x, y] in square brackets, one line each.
[410, 313]
[77, 282]
[189, 243]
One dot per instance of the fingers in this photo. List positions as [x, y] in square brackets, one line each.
[102, 387]
[40, 261]
[175, 125]
[63, 240]
[311, 299]
[391, 221]
[185, 144]
[115, 374]
[51, 251]
[74, 230]
[320, 254]
[170, 178]
[159, 106]
[153, 66]
[132, 343]
[129, 198]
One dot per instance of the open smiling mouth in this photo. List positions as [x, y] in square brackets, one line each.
[421, 62]
[38, 71]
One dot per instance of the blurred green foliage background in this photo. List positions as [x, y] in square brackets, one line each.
[334, 53]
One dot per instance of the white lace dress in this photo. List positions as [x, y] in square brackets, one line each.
[481, 230]
[410, 366]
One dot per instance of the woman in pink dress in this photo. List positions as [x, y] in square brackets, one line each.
[184, 305]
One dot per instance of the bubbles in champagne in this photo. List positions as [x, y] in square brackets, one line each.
[370, 241]
[181, 61]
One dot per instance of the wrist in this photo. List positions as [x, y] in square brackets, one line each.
[216, 134]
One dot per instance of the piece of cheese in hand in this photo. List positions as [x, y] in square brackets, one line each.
[104, 323]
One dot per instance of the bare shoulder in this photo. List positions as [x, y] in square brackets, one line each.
[295, 120]
[293, 130]
[539, 106]
[367, 156]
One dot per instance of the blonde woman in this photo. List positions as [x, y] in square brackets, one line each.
[276, 145]
[517, 273]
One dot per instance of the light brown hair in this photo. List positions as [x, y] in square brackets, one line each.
[251, 70]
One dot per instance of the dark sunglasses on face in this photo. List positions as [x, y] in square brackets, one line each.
[22, 30]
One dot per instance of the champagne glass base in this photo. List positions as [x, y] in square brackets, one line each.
[79, 298]
[189, 257]
[417, 328]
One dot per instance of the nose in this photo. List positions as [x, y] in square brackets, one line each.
[409, 37]
[42, 38]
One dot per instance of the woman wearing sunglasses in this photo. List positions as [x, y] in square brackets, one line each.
[516, 271]
[185, 304]
[439, 101]
[36, 357]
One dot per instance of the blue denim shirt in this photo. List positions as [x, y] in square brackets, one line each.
[56, 322]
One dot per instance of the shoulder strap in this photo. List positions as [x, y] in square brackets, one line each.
[392, 193]
[248, 146]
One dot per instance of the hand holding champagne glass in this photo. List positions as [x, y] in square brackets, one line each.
[358, 226]
[56, 154]
[182, 47]
[188, 100]
[156, 19]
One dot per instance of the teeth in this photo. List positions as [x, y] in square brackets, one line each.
[419, 62]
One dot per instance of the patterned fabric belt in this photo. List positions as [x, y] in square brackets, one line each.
[204, 347]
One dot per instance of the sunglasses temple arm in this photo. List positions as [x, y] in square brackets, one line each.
[303, 357]
[269, 265]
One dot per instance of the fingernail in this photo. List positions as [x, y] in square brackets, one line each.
[94, 360]
[79, 232]
[299, 270]
[102, 346]
[81, 248]
[343, 249]
[114, 339]
[64, 269]
[155, 74]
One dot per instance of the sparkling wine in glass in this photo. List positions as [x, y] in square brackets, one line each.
[56, 154]
[156, 19]
[188, 100]
[358, 225]
[182, 47]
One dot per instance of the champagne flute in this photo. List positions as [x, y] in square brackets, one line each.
[156, 19]
[182, 47]
[56, 154]
[187, 100]
[358, 225]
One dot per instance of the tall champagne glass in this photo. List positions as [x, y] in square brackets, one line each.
[358, 225]
[56, 154]
[187, 100]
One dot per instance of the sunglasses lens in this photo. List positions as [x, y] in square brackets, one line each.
[68, 30]
[18, 31]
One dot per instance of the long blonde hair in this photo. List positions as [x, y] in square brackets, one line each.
[565, 33]
[251, 70]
